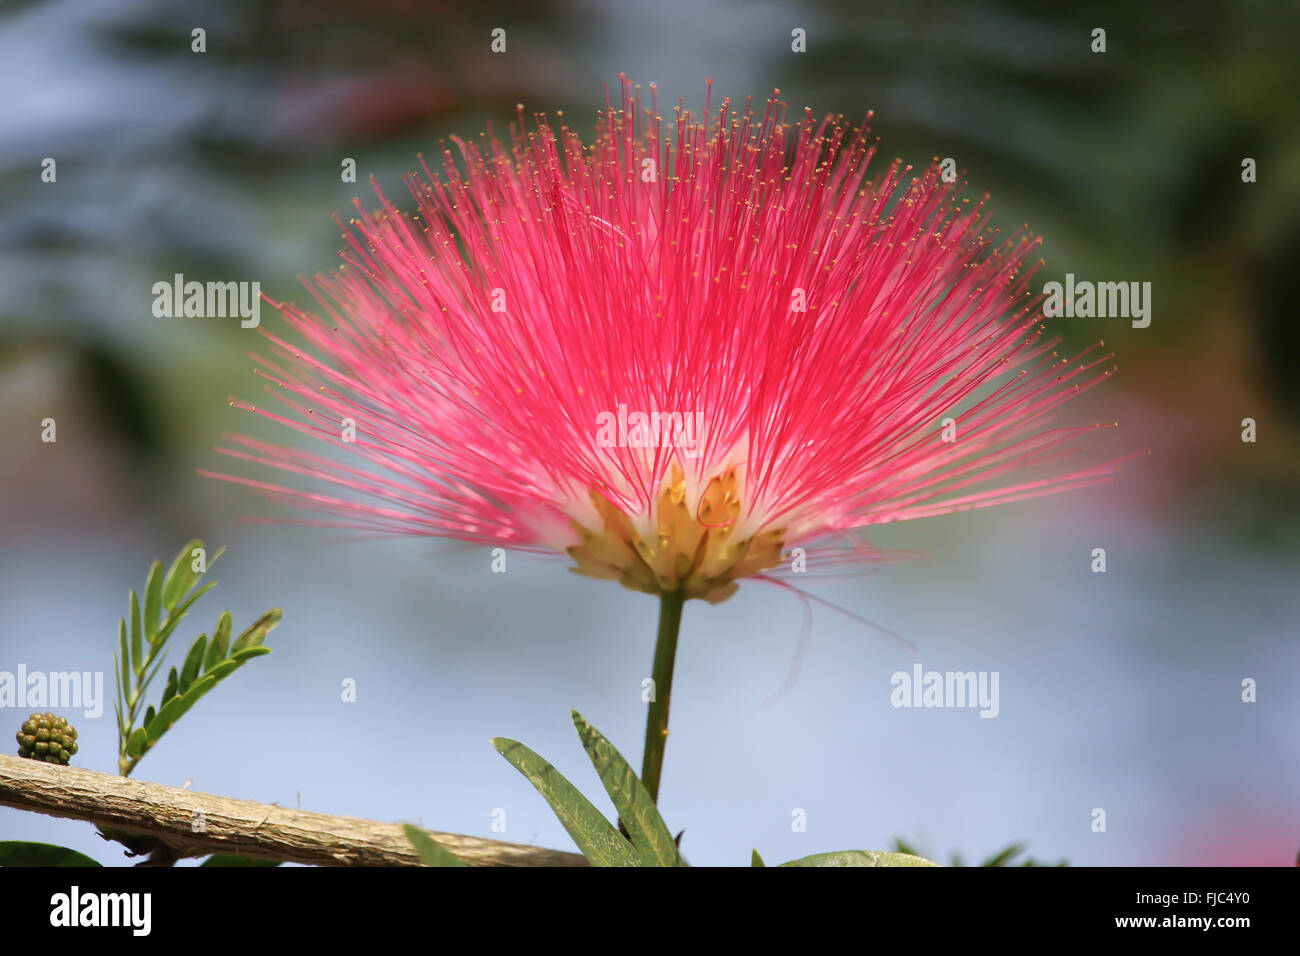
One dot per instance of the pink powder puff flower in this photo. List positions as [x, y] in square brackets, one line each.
[673, 354]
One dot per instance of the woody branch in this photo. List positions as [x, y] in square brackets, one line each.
[178, 823]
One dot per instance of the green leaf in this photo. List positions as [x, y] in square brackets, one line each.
[172, 686]
[1002, 858]
[137, 654]
[200, 687]
[637, 811]
[167, 715]
[135, 744]
[257, 631]
[599, 842]
[193, 661]
[175, 617]
[171, 711]
[180, 578]
[431, 852]
[227, 667]
[152, 601]
[231, 859]
[186, 687]
[144, 684]
[126, 659]
[117, 704]
[860, 858]
[756, 860]
[902, 847]
[175, 593]
[22, 853]
[220, 639]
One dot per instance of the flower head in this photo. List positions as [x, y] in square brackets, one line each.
[675, 353]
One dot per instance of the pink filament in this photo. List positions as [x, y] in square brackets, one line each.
[658, 269]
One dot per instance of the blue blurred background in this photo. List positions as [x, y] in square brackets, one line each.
[1119, 691]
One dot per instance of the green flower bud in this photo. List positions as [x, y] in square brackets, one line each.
[47, 737]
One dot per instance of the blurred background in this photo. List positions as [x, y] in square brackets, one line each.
[1119, 691]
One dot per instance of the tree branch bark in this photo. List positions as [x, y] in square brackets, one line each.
[190, 824]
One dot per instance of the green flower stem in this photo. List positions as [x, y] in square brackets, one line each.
[656, 725]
